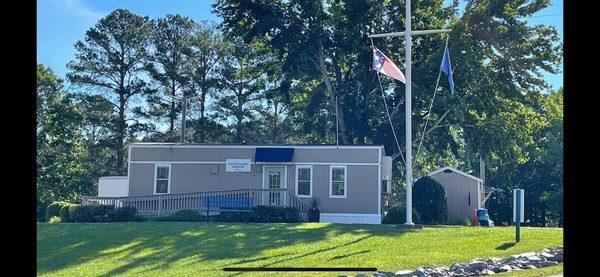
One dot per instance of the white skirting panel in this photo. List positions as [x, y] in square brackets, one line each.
[351, 218]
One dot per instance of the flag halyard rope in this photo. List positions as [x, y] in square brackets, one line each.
[437, 82]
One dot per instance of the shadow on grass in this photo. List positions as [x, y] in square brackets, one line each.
[350, 254]
[506, 245]
[157, 245]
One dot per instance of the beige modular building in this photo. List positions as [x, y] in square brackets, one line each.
[349, 180]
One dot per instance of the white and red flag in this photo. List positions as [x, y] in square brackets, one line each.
[383, 64]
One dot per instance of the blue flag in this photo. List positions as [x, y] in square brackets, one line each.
[446, 67]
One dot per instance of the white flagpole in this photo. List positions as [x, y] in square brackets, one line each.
[408, 115]
[408, 33]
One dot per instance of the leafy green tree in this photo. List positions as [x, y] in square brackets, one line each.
[209, 130]
[168, 67]
[207, 49]
[110, 61]
[541, 175]
[60, 161]
[99, 121]
[275, 125]
[329, 38]
[244, 84]
[298, 30]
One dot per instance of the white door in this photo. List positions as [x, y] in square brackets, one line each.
[274, 179]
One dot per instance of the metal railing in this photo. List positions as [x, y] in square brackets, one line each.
[295, 202]
[166, 204]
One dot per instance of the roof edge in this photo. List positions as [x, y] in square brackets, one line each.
[200, 145]
[456, 171]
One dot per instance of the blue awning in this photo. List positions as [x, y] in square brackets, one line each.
[274, 155]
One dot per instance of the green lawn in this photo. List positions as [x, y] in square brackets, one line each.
[167, 248]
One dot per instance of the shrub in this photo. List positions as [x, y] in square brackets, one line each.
[65, 213]
[259, 214]
[430, 200]
[233, 217]
[54, 208]
[122, 214]
[274, 214]
[54, 219]
[90, 213]
[184, 215]
[397, 215]
[41, 212]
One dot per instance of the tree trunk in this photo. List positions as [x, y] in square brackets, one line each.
[203, 92]
[323, 70]
[121, 136]
[238, 130]
[275, 127]
[239, 116]
[172, 114]
[202, 131]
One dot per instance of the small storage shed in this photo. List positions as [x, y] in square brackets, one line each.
[463, 192]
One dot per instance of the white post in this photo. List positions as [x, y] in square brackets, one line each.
[408, 114]
[482, 169]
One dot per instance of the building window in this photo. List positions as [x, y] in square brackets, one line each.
[337, 181]
[162, 178]
[304, 180]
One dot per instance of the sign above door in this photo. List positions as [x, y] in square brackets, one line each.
[238, 165]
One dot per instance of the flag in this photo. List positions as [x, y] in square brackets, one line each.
[446, 67]
[383, 64]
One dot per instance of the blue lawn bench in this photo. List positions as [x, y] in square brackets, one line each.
[226, 203]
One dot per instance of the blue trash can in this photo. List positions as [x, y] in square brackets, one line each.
[484, 218]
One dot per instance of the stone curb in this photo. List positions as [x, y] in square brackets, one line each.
[479, 267]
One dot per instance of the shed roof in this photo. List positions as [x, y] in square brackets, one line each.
[455, 171]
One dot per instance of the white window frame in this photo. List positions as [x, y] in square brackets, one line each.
[331, 167]
[156, 166]
[310, 167]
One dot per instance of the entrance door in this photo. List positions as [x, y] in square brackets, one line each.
[275, 179]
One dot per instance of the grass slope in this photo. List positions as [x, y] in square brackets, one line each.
[167, 248]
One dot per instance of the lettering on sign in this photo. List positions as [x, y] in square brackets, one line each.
[237, 165]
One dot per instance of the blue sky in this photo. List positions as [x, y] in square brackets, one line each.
[60, 23]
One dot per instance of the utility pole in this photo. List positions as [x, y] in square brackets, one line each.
[184, 100]
[482, 177]
[337, 140]
[408, 33]
[183, 117]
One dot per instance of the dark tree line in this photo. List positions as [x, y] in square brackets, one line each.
[271, 71]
